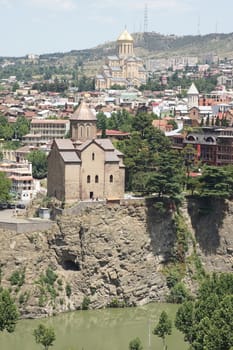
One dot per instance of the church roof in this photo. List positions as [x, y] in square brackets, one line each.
[111, 156]
[106, 144]
[192, 90]
[64, 144]
[125, 36]
[83, 112]
[70, 157]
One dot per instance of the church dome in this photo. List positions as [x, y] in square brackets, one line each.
[84, 113]
[125, 36]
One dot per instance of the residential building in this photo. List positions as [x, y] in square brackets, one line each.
[43, 130]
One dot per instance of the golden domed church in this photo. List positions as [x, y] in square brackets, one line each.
[124, 69]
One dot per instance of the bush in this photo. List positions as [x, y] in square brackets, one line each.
[86, 302]
[68, 290]
[17, 278]
[178, 294]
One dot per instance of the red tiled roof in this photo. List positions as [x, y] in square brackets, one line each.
[114, 133]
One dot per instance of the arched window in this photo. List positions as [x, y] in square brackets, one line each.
[96, 179]
[88, 179]
[81, 131]
[93, 156]
[111, 178]
[88, 131]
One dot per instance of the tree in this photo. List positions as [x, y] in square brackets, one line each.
[163, 328]
[44, 336]
[168, 178]
[5, 186]
[135, 344]
[39, 164]
[216, 182]
[21, 127]
[102, 124]
[207, 323]
[8, 312]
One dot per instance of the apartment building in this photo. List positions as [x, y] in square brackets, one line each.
[44, 130]
[20, 175]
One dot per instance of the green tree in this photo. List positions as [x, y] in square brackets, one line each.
[163, 328]
[216, 182]
[39, 164]
[207, 323]
[168, 178]
[21, 127]
[141, 121]
[102, 123]
[44, 336]
[8, 312]
[135, 344]
[5, 186]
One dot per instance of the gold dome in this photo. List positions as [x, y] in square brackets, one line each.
[125, 36]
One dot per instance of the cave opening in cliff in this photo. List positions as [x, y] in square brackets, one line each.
[71, 265]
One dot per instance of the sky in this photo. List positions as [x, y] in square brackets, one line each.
[48, 26]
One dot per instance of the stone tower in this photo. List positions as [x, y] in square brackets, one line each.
[83, 123]
[125, 44]
[193, 96]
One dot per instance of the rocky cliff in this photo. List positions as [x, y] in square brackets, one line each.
[108, 255]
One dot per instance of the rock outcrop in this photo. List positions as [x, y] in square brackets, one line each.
[109, 254]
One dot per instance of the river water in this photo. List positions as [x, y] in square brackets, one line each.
[107, 329]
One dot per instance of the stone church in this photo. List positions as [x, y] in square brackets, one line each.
[124, 69]
[84, 167]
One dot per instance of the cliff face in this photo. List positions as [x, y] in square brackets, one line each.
[106, 254]
[211, 222]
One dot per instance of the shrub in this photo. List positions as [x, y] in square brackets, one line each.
[86, 303]
[68, 290]
[178, 294]
[17, 278]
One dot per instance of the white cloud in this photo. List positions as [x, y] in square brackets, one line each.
[66, 5]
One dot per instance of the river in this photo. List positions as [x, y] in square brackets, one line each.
[107, 329]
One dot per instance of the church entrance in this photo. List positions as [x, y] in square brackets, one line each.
[91, 195]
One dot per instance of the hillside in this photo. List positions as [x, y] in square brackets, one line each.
[153, 45]
[149, 45]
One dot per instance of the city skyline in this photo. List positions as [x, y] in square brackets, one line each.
[47, 26]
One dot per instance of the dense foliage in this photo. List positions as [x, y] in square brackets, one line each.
[163, 328]
[44, 336]
[39, 164]
[5, 186]
[8, 312]
[204, 85]
[151, 166]
[207, 323]
[15, 131]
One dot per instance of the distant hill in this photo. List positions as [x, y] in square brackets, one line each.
[155, 45]
[148, 46]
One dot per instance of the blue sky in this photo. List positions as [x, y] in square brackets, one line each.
[46, 26]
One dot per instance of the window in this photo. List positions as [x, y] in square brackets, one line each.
[88, 179]
[96, 179]
[111, 178]
[93, 156]
[81, 131]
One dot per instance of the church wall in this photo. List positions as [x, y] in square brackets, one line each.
[72, 182]
[114, 181]
[93, 159]
[56, 176]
